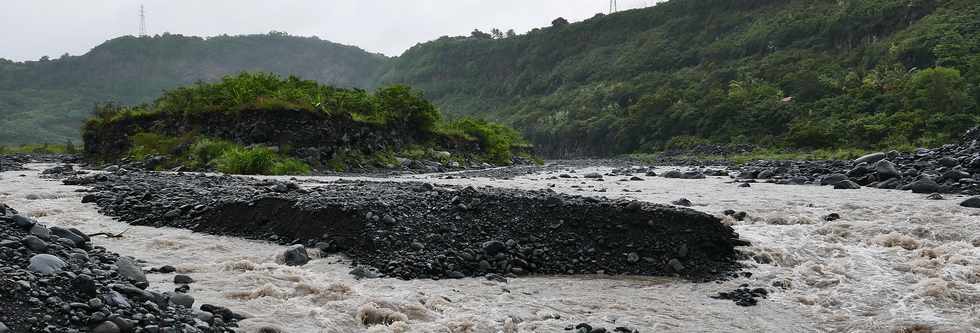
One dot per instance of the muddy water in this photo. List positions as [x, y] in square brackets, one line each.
[894, 260]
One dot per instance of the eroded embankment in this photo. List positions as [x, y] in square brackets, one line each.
[412, 230]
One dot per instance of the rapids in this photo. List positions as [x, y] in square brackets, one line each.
[893, 261]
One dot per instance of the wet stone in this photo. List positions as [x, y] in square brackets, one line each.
[46, 264]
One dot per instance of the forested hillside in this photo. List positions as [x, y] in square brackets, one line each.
[47, 100]
[803, 73]
[777, 73]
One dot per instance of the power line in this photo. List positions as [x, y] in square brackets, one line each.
[142, 22]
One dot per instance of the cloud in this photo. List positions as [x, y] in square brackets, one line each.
[36, 28]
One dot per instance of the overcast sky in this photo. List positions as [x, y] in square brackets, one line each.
[35, 28]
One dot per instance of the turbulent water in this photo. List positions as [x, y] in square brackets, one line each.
[893, 261]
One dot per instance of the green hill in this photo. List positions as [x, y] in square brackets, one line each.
[777, 73]
[806, 73]
[47, 100]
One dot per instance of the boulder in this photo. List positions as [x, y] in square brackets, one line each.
[35, 244]
[948, 162]
[46, 264]
[21, 221]
[683, 202]
[182, 279]
[886, 169]
[847, 185]
[955, 175]
[68, 234]
[296, 255]
[870, 158]
[493, 247]
[129, 270]
[181, 299]
[925, 186]
[106, 327]
[41, 231]
[832, 179]
[973, 202]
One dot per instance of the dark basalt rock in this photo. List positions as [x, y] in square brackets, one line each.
[442, 232]
[950, 169]
[973, 202]
[743, 296]
[66, 288]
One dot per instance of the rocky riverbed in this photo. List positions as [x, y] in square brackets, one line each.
[53, 280]
[417, 230]
[950, 169]
[821, 260]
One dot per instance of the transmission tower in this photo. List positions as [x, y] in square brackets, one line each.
[613, 6]
[142, 22]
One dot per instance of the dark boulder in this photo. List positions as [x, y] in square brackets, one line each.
[847, 185]
[973, 202]
[886, 169]
[832, 179]
[128, 269]
[925, 186]
[296, 255]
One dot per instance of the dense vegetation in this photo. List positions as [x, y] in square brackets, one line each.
[47, 100]
[796, 73]
[824, 74]
[214, 126]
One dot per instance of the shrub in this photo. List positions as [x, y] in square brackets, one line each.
[289, 166]
[497, 141]
[204, 151]
[258, 161]
[246, 161]
[146, 144]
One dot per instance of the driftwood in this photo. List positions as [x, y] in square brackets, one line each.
[110, 235]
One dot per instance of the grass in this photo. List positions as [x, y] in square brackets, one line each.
[44, 148]
[207, 153]
[259, 161]
[776, 154]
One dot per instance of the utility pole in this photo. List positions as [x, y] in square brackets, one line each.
[613, 6]
[142, 22]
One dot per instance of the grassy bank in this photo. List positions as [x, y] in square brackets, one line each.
[41, 148]
[257, 123]
[771, 154]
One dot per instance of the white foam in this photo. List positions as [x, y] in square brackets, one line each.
[894, 260]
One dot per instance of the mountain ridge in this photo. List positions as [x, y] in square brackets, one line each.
[801, 74]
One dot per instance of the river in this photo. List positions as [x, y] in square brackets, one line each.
[893, 261]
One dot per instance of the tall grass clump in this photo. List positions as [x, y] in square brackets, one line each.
[206, 150]
[497, 141]
[259, 161]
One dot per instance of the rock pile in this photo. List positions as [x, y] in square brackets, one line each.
[416, 230]
[53, 280]
[953, 168]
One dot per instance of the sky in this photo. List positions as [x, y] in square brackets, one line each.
[36, 28]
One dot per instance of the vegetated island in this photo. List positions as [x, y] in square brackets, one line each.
[259, 123]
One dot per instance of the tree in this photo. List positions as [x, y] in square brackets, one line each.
[497, 34]
[937, 90]
[511, 33]
[70, 148]
[559, 22]
[480, 34]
